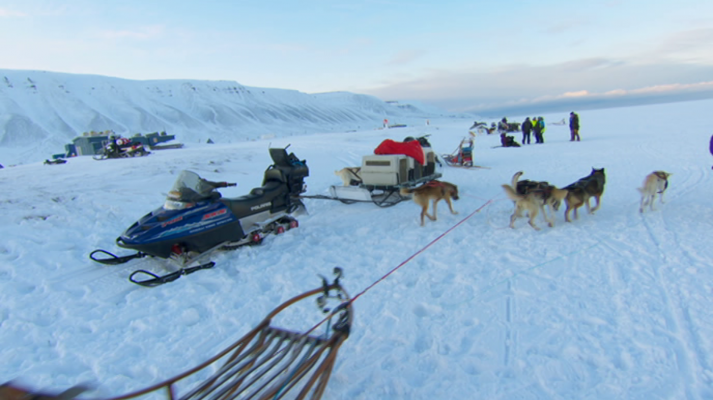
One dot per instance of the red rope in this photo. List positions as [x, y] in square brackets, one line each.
[403, 263]
[419, 252]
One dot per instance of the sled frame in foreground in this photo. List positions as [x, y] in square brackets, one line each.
[267, 363]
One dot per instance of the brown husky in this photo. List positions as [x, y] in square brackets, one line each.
[531, 197]
[655, 182]
[581, 191]
[433, 190]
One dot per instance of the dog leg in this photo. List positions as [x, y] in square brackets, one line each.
[435, 210]
[517, 213]
[513, 217]
[598, 199]
[550, 222]
[424, 213]
[450, 205]
[533, 215]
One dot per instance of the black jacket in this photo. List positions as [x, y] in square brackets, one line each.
[527, 126]
[574, 121]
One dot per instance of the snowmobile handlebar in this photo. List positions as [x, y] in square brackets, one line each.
[216, 185]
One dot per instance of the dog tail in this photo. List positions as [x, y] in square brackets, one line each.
[559, 194]
[405, 191]
[515, 178]
[511, 193]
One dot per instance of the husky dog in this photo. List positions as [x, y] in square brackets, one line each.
[349, 175]
[655, 182]
[550, 195]
[433, 190]
[581, 191]
[531, 197]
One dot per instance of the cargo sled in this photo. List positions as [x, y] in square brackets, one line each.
[396, 165]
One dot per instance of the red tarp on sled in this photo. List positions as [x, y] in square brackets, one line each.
[412, 149]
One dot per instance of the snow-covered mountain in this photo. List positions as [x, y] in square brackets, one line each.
[41, 111]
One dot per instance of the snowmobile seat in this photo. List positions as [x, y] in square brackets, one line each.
[270, 192]
[273, 174]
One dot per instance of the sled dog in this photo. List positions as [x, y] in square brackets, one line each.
[436, 191]
[581, 191]
[349, 175]
[550, 195]
[532, 197]
[655, 183]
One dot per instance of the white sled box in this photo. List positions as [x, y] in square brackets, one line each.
[385, 170]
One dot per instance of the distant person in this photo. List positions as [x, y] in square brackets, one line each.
[503, 125]
[508, 141]
[711, 147]
[539, 130]
[573, 126]
[526, 130]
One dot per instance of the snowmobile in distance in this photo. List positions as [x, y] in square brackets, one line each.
[122, 148]
[196, 220]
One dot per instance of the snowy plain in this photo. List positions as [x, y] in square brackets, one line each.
[615, 305]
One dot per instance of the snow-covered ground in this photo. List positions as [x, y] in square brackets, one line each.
[615, 305]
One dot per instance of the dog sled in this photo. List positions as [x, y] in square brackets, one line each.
[381, 177]
[269, 362]
[462, 156]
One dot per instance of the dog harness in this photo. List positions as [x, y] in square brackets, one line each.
[662, 175]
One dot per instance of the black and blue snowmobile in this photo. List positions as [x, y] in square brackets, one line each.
[195, 219]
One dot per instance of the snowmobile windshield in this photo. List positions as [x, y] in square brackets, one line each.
[188, 189]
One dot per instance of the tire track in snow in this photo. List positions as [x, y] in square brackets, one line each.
[678, 324]
[509, 343]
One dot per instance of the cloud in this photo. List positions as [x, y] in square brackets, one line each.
[586, 100]
[405, 57]
[6, 13]
[577, 79]
[143, 33]
[587, 64]
[691, 44]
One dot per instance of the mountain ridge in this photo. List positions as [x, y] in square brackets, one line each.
[51, 108]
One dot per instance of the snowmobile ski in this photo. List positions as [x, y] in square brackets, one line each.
[156, 280]
[114, 259]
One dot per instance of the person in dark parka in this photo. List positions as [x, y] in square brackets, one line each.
[526, 129]
[573, 126]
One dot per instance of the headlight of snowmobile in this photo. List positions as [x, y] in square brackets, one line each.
[177, 205]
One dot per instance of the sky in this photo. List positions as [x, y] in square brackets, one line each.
[458, 55]
[614, 305]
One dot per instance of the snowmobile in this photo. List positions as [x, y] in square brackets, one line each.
[196, 220]
[122, 148]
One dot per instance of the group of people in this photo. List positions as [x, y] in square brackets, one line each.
[535, 125]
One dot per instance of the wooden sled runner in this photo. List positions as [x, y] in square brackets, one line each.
[267, 363]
